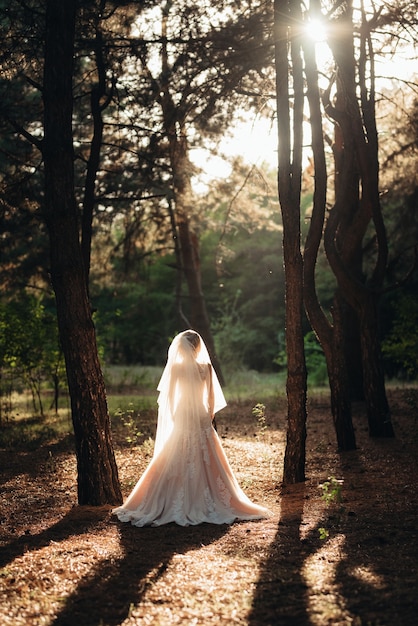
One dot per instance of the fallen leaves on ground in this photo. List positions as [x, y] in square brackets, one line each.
[312, 563]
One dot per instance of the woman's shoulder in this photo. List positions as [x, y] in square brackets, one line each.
[204, 368]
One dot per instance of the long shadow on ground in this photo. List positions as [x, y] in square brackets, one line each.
[73, 523]
[279, 597]
[378, 574]
[107, 593]
[371, 551]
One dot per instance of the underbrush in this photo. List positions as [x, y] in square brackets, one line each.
[132, 402]
[31, 433]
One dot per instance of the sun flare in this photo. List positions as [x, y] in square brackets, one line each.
[316, 29]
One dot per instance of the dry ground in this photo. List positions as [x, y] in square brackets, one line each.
[312, 563]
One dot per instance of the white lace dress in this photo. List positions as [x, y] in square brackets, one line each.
[189, 479]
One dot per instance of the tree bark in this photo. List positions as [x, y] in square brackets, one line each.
[352, 351]
[189, 251]
[98, 102]
[353, 212]
[339, 380]
[378, 412]
[289, 185]
[97, 472]
[331, 336]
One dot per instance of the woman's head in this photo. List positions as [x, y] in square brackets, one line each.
[188, 345]
[193, 338]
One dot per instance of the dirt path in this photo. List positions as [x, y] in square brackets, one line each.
[354, 562]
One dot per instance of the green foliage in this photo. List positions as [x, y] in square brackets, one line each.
[244, 385]
[243, 278]
[127, 378]
[332, 496]
[245, 295]
[134, 321]
[401, 344]
[29, 347]
[323, 533]
[315, 361]
[259, 412]
[281, 358]
[128, 420]
[332, 491]
[232, 335]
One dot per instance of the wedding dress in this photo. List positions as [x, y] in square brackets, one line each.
[189, 479]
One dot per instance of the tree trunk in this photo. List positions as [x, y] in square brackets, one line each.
[97, 472]
[289, 185]
[339, 381]
[352, 350]
[99, 100]
[378, 412]
[355, 211]
[330, 335]
[189, 249]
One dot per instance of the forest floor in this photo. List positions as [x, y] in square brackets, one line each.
[351, 560]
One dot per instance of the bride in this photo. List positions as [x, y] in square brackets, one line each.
[189, 479]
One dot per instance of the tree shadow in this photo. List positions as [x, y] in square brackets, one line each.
[42, 456]
[279, 598]
[112, 587]
[107, 593]
[371, 551]
[378, 577]
[77, 521]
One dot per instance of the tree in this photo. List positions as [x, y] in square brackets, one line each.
[331, 334]
[97, 472]
[287, 41]
[355, 221]
[155, 89]
[188, 61]
[355, 237]
[29, 348]
[357, 202]
[24, 254]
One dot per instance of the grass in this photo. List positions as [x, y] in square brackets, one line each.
[132, 401]
[244, 385]
[240, 385]
[119, 378]
[31, 432]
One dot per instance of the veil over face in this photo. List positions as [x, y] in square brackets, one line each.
[188, 389]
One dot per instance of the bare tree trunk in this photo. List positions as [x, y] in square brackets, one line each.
[352, 213]
[339, 381]
[98, 481]
[189, 245]
[98, 103]
[352, 350]
[289, 184]
[331, 336]
[378, 412]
